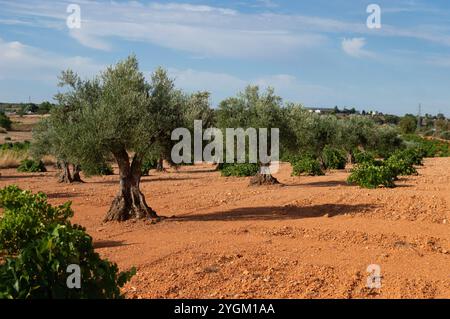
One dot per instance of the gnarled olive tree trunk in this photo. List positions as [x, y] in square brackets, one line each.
[64, 176]
[76, 174]
[130, 201]
[263, 177]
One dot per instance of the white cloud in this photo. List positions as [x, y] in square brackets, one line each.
[355, 47]
[223, 85]
[201, 30]
[20, 61]
[192, 8]
[89, 40]
[265, 4]
[197, 29]
[194, 80]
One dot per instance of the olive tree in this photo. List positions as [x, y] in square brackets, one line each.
[253, 109]
[385, 140]
[168, 103]
[47, 141]
[355, 132]
[181, 111]
[197, 106]
[310, 132]
[125, 117]
[50, 136]
[408, 124]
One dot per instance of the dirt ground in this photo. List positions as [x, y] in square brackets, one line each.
[314, 237]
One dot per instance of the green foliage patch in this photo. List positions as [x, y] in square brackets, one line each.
[239, 169]
[429, 147]
[18, 146]
[307, 166]
[105, 169]
[31, 166]
[39, 243]
[372, 176]
[371, 173]
[333, 158]
[147, 165]
[364, 157]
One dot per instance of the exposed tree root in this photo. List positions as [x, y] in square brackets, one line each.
[263, 179]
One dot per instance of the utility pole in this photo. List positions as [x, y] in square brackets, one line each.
[419, 117]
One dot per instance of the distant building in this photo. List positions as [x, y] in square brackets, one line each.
[320, 110]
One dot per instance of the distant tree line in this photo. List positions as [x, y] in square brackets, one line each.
[27, 108]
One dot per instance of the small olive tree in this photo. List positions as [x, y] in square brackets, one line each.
[167, 103]
[355, 132]
[47, 141]
[50, 135]
[197, 106]
[253, 109]
[408, 124]
[310, 132]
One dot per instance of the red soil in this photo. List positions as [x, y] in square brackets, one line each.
[314, 237]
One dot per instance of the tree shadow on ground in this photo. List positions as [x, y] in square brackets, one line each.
[21, 176]
[322, 184]
[196, 171]
[167, 178]
[109, 243]
[145, 179]
[402, 186]
[277, 213]
[340, 183]
[63, 195]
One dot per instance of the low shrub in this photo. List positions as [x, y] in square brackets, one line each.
[333, 158]
[17, 146]
[147, 166]
[31, 166]
[26, 217]
[372, 176]
[104, 170]
[42, 243]
[239, 169]
[364, 157]
[412, 156]
[101, 168]
[295, 157]
[400, 166]
[307, 166]
[429, 147]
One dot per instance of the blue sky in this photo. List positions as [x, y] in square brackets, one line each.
[319, 53]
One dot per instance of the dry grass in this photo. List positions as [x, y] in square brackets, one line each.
[48, 160]
[12, 158]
